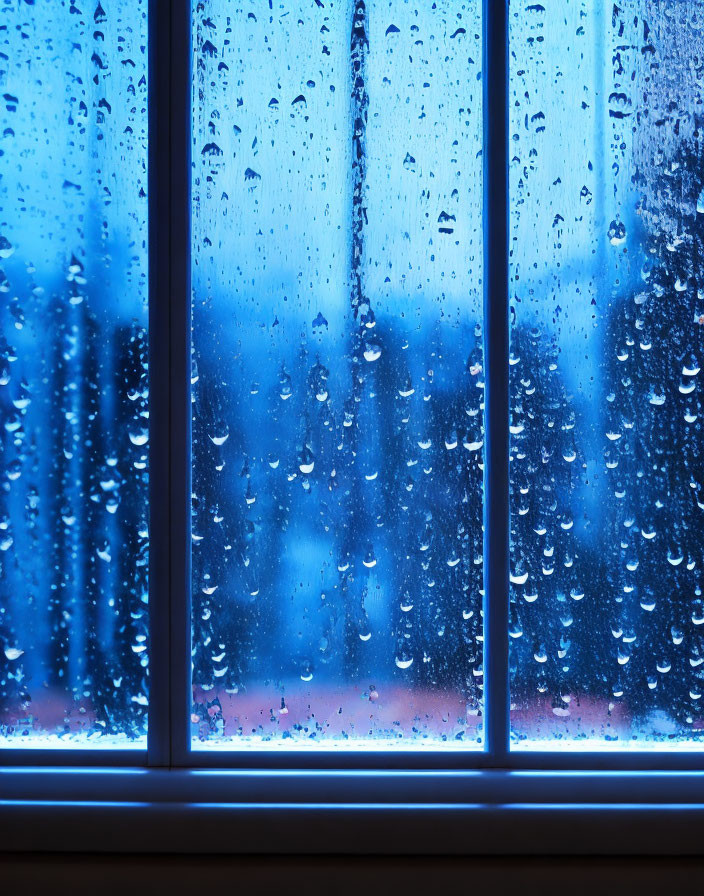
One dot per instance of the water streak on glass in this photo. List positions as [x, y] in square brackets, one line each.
[73, 374]
[607, 308]
[337, 374]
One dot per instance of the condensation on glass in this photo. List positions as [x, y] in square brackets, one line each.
[607, 316]
[337, 374]
[73, 374]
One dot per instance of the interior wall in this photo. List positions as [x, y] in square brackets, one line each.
[172, 875]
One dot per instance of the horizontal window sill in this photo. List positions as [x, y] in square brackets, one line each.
[397, 812]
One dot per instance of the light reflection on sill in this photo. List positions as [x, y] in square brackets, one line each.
[575, 745]
[356, 745]
[65, 744]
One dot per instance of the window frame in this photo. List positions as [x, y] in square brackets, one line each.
[169, 798]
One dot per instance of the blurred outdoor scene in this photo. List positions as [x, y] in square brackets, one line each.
[73, 374]
[338, 375]
[606, 309]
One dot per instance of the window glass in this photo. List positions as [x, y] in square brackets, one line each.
[73, 374]
[606, 309]
[337, 374]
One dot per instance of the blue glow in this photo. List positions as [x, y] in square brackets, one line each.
[445, 808]
[605, 807]
[459, 775]
[76, 804]
[55, 770]
[345, 807]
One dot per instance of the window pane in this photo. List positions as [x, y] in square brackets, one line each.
[73, 375]
[607, 305]
[337, 375]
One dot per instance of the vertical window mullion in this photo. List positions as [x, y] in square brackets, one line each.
[158, 198]
[496, 349]
[180, 377]
[169, 294]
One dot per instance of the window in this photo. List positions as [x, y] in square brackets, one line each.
[355, 452]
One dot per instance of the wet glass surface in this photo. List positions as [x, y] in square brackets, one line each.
[337, 375]
[73, 374]
[606, 306]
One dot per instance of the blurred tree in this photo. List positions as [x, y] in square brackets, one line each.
[653, 551]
